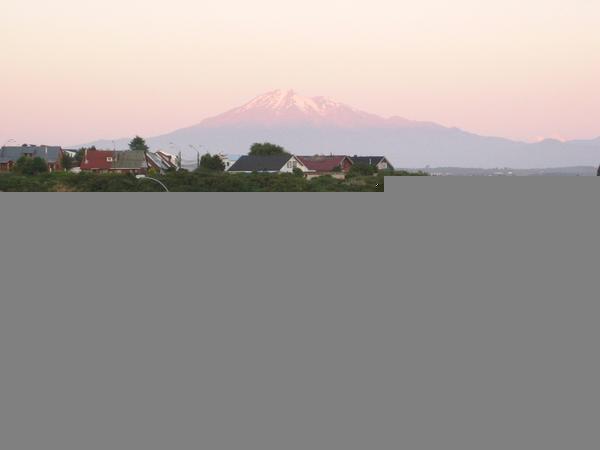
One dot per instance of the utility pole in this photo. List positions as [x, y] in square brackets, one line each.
[114, 159]
[193, 147]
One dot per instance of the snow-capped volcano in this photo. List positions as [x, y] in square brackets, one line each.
[281, 101]
[288, 108]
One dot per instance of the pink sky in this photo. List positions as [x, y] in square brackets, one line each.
[73, 71]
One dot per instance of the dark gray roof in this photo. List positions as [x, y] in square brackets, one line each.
[50, 154]
[368, 160]
[260, 163]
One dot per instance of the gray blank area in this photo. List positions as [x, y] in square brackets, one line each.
[445, 313]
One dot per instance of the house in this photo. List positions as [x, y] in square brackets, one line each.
[268, 164]
[161, 161]
[132, 161]
[335, 165]
[100, 161]
[10, 155]
[381, 162]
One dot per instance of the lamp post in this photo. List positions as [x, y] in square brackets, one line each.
[114, 160]
[193, 147]
[145, 177]
[8, 142]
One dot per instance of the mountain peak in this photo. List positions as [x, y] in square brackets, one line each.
[287, 107]
[285, 100]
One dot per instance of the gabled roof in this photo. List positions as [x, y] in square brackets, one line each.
[49, 154]
[323, 163]
[249, 163]
[161, 160]
[167, 157]
[132, 159]
[98, 160]
[369, 160]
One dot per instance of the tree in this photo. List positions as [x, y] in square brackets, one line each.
[31, 166]
[212, 162]
[361, 169]
[79, 156]
[267, 149]
[67, 161]
[138, 143]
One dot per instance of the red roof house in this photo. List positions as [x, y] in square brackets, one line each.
[98, 160]
[334, 165]
[131, 161]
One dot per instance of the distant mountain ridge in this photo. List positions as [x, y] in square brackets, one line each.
[311, 125]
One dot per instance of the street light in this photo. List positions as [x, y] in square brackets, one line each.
[144, 177]
[8, 142]
[114, 160]
[198, 152]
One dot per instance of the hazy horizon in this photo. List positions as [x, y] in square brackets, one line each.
[78, 71]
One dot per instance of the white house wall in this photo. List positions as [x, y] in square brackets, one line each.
[299, 165]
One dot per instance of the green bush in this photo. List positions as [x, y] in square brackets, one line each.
[30, 166]
[184, 181]
[361, 169]
[212, 163]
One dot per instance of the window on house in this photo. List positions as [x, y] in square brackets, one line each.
[109, 159]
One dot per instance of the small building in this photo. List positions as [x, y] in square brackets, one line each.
[267, 164]
[335, 165]
[135, 162]
[99, 161]
[10, 155]
[381, 162]
[161, 161]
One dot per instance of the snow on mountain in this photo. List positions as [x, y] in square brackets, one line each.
[287, 108]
